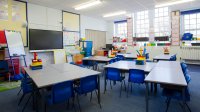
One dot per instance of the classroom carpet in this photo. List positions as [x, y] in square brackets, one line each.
[6, 85]
[110, 101]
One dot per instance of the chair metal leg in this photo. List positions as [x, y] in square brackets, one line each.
[21, 99]
[110, 84]
[67, 104]
[128, 89]
[188, 107]
[124, 85]
[121, 89]
[19, 91]
[45, 107]
[77, 96]
[168, 103]
[91, 97]
[105, 86]
[73, 105]
[26, 103]
[98, 99]
[131, 87]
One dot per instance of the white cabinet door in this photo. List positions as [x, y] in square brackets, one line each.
[37, 14]
[54, 17]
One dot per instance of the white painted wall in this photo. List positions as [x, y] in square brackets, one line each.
[110, 30]
[92, 24]
[40, 17]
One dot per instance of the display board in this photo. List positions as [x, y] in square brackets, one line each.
[71, 21]
[45, 39]
[70, 38]
[13, 16]
[15, 43]
[175, 21]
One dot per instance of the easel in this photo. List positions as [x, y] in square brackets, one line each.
[15, 47]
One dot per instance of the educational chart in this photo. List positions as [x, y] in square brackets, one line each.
[130, 31]
[4, 10]
[13, 17]
[15, 43]
[70, 38]
[175, 17]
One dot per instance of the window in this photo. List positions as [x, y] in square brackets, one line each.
[192, 24]
[120, 29]
[161, 22]
[142, 24]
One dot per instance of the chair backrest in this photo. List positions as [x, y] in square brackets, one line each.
[120, 57]
[136, 76]
[184, 68]
[62, 92]
[147, 55]
[4, 65]
[187, 78]
[173, 58]
[112, 61]
[113, 74]
[88, 84]
[27, 86]
[60, 56]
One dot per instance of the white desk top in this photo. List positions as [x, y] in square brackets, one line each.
[168, 72]
[128, 55]
[57, 73]
[163, 56]
[98, 58]
[126, 65]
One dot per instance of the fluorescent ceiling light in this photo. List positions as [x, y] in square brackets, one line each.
[88, 4]
[173, 3]
[115, 14]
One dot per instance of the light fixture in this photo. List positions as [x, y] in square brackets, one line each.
[115, 14]
[173, 3]
[88, 4]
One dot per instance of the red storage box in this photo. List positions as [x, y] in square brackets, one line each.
[16, 65]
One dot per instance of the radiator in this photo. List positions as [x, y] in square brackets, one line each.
[190, 53]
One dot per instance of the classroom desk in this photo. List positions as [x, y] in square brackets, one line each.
[128, 55]
[57, 73]
[164, 57]
[127, 65]
[103, 59]
[167, 73]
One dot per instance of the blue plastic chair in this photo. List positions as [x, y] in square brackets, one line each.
[177, 94]
[114, 74]
[3, 67]
[112, 61]
[120, 57]
[89, 64]
[135, 76]
[184, 67]
[173, 58]
[27, 88]
[61, 92]
[87, 85]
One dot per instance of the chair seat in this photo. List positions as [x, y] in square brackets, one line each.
[136, 79]
[113, 78]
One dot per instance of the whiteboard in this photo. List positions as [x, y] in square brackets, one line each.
[15, 43]
[70, 38]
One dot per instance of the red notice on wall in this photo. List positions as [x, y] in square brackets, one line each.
[2, 37]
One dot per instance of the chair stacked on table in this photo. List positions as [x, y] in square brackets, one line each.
[177, 94]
